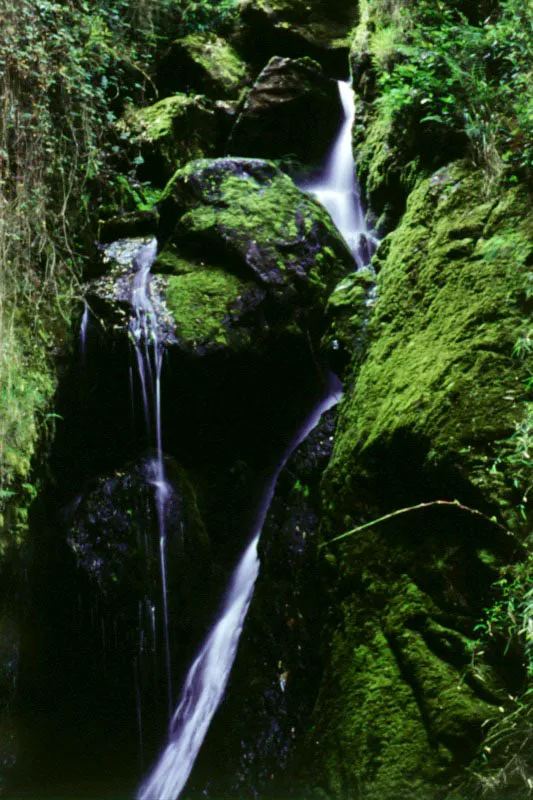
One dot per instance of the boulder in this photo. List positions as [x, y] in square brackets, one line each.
[292, 110]
[203, 63]
[315, 28]
[98, 622]
[167, 134]
[408, 692]
[266, 255]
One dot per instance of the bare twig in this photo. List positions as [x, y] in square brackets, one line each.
[419, 507]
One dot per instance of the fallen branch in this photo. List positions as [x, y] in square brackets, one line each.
[419, 507]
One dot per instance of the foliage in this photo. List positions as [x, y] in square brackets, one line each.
[66, 71]
[504, 764]
[438, 69]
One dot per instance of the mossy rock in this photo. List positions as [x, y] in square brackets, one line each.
[245, 257]
[169, 133]
[436, 393]
[451, 305]
[315, 28]
[203, 63]
[239, 234]
[292, 110]
[348, 312]
[207, 305]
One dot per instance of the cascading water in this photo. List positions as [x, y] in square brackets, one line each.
[207, 678]
[149, 358]
[84, 329]
[338, 190]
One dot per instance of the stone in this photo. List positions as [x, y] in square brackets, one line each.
[203, 63]
[169, 133]
[292, 111]
[239, 232]
[315, 28]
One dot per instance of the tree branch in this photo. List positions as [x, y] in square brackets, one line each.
[419, 507]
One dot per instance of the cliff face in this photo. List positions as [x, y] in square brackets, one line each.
[384, 664]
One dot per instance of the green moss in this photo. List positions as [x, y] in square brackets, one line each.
[446, 321]
[173, 130]
[200, 303]
[248, 205]
[170, 263]
[368, 735]
[253, 211]
[158, 121]
[225, 71]
[28, 381]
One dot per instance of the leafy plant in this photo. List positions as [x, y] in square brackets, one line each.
[456, 76]
[66, 71]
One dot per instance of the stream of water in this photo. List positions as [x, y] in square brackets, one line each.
[207, 678]
[84, 329]
[149, 357]
[337, 188]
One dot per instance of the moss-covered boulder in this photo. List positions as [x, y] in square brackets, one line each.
[264, 255]
[166, 135]
[203, 63]
[348, 312]
[452, 304]
[315, 28]
[293, 110]
[407, 695]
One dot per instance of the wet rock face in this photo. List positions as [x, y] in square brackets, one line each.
[99, 650]
[292, 110]
[274, 683]
[319, 29]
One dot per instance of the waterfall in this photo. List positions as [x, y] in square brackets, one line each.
[149, 357]
[206, 681]
[338, 190]
[84, 328]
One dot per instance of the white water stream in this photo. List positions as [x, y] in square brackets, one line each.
[337, 188]
[207, 678]
[84, 328]
[149, 357]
